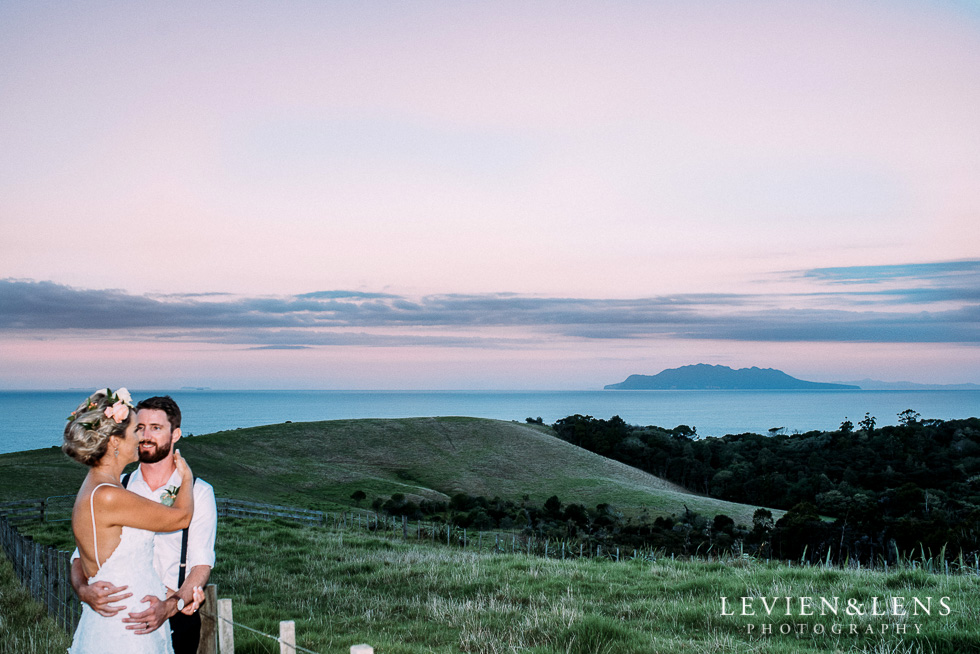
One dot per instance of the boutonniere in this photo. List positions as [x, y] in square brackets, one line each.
[169, 495]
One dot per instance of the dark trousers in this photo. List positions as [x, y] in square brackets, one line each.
[186, 632]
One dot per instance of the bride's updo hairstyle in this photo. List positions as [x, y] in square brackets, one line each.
[103, 415]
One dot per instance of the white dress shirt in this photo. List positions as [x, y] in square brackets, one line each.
[200, 536]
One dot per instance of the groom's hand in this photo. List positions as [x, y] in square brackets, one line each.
[101, 595]
[148, 621]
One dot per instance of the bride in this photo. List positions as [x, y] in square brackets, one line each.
[113, 527]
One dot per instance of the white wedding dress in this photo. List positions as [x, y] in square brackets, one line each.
[130, 564]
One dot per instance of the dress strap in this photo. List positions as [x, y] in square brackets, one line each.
[91, 504]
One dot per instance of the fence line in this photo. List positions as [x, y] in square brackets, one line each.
[226, 633]
[23, 510]
[221, 614]
[493, 541]
[46, 572]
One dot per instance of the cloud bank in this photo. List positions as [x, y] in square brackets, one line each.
[910, 303]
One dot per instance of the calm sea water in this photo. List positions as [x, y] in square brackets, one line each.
[36, 419]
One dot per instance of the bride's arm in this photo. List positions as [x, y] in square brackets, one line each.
[123, 508]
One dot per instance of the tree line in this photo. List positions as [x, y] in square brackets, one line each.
[603, 525]
[859, 493]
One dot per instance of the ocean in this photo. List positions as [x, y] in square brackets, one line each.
[36, 419]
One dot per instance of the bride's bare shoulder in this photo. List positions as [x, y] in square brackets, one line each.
[99, 494]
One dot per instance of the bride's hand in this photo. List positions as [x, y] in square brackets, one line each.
[191, 609]
[183, 469]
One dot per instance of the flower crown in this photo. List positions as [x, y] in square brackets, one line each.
[119, 403]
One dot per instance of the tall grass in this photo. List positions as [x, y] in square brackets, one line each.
[347, 587]
[24, 625]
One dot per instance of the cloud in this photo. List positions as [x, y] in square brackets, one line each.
[320, 295]
[294, 339]
[917, 283]
[281, 347]
[847, 311]
[948, 271]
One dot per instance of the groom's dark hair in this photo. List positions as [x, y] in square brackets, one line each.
[163, 403]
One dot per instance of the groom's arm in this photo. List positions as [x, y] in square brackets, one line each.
[200, 543]
[200, 559]
[101, 595]
[196, 578]
[160, 611]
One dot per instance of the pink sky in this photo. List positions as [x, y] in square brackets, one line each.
[629, 155]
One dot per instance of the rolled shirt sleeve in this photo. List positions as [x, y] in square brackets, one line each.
[200, 538]
[204, 527]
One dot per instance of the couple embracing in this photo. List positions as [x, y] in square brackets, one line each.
[145, 539]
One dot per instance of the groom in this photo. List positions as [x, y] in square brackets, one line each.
[158, 429]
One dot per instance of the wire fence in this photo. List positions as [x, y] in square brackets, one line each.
[500, 542]
[46, 572]
[286, 638]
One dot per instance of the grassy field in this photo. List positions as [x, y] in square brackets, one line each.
[344, 588]
[24, 625]
[318, 465]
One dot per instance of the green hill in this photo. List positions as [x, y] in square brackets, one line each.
[319, 464]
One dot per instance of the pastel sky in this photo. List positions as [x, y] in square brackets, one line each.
[513, 195]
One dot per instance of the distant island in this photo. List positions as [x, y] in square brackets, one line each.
[707, 377]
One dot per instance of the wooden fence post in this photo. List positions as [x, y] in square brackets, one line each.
[50, 582]
[226, 628]
[37, 582]
[209, 621]
[287, 637]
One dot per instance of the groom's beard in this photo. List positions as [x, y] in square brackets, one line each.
[155, 453]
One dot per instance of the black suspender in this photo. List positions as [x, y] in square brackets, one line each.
[183, 539]
[183, 558]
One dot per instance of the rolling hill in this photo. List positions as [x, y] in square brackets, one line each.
[320, 464]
